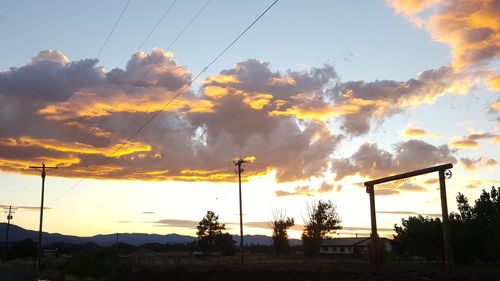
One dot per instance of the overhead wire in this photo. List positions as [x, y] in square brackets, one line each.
[133, 85]
[149, 120]
[80, 84]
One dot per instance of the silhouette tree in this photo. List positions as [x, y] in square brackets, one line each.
[475, 231]
[280, 225]
[321, 223]
[212, 237]
[477, 228]
[419, 236]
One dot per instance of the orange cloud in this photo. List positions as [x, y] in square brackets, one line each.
[495, 106]
[471, 28]
[412, 130]
[222, 79]
[484, 183]
[470, 141]
[411, 6]
[494, 83]
[83, 104]
[482, 162]
[280, 81]
[128, 148]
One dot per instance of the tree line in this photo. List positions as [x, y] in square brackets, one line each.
[475, 232]
[321, 223]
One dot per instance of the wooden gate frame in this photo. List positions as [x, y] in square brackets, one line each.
[370, 188]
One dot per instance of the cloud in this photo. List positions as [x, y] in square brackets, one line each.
[148, 213]
[471, 141]
[431, 181]
[386, 191]
[409, 7]
[482, 162]
[232, 115]
[24, 208]
[366, 102]
[307, 190]
[482, 183]
[176, 223]
[360, 228]
[372, 162]
[494, 83]
[471, 28]
[408, 213]
[413, 131]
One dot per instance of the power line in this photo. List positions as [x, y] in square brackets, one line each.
[175, 97]
[157, 24]
[120, 71]
[80, 84]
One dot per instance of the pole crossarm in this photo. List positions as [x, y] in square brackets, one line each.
[409, 174]
[42, 169]
[240, 170]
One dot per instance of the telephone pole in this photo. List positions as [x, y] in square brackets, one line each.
[9, 217]
[42, 169]
[239, 171]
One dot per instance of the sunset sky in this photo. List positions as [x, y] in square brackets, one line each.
[319, 96]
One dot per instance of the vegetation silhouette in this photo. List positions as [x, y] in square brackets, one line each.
[322, 221]
[280, 224]
[475, 232]
[212, 238]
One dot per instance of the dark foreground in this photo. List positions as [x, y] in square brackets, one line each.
[336, 272]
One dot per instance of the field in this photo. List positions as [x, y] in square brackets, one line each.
[257, 267]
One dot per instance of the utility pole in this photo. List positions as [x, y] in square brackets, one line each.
[239, 171]
[9, 217]
[42, 169]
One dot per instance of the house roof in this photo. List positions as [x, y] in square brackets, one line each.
[345, 241]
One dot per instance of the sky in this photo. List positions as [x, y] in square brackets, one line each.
[318, 97]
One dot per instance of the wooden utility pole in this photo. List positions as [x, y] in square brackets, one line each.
[9, 217]
[42, 169]
[239, 171]
[443, 171]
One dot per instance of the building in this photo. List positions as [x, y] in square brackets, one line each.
[357, 246]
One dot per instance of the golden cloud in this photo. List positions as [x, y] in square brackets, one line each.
[494, 83]
[52, 144]
[412, 130]
[411, 6]
[89, 105]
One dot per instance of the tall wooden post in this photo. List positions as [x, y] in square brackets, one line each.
[448, 253]
[374, 258]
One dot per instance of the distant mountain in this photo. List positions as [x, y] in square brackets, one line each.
[17, 233]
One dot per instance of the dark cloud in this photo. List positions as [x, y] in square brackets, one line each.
[386, 191]
[307, 190]
[474, 164]
[374, 101]
[176, 223]
[24, 208]
[360, 228]
[471, 141]
[370, 161]
[48, 113]
[408, 213]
